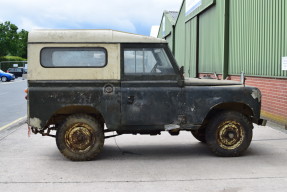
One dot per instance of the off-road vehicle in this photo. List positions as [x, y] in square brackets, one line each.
[86, 83]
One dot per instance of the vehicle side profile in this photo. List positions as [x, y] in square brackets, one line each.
[84, 84]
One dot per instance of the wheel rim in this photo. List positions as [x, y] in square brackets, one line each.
[4, 79]
[79, 137]
[230, 135]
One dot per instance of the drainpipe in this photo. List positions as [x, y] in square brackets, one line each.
[173, 40]
[226, 40]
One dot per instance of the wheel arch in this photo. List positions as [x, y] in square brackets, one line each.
[232, 106]
[59, 116]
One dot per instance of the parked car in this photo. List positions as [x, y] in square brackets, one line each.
[6, 76]
[84, 84]
[17, 71]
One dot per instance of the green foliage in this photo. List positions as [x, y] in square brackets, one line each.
[12, 58]
[22, 43]
[12, 42]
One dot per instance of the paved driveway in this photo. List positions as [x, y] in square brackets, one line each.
[143, 163]
[13, 104]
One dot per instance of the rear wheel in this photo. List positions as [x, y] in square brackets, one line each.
[4, 79]
[229, 134]
[80, 138]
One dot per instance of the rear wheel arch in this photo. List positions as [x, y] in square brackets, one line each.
[61, 114]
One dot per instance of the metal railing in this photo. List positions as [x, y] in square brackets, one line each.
[4, 65]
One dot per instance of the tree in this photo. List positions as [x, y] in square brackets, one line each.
[12, 42]
[22, 43]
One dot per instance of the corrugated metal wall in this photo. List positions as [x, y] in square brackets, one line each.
[180, 37]
[186, 50]
[211, 39]
[251, 37]
[165, 30]
[258, 37]
[191, 47]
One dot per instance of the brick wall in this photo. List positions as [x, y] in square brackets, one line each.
[274, 96]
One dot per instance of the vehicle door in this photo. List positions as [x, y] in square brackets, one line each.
[149, 87]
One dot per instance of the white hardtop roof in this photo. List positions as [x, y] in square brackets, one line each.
[88, 36]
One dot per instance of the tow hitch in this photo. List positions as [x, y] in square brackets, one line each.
[45, 132]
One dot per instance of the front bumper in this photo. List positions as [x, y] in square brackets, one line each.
[262, 122]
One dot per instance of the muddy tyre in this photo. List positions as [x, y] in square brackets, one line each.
[229, 134]
[80, 138]
[199, 135]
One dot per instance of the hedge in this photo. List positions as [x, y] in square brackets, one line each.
[4, 65]
[12, 58]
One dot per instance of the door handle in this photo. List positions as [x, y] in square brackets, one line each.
[131, 99]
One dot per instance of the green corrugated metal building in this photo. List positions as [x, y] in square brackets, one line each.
[167, 27]
[227, 37]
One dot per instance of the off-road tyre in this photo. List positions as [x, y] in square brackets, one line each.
[80, 138]
[199, 135]
[229, 134]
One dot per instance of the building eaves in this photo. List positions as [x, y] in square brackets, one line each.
[172, 16]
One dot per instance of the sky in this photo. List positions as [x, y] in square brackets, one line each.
[134, 16]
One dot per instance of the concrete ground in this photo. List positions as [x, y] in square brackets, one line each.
[143, 163]
[13, 104]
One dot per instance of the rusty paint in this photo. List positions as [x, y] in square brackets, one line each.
[79, 137]
[230, 135]
[35, 122]
[256, 94]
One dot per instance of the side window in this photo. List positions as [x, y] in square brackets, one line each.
[73, 57]
[147, 61]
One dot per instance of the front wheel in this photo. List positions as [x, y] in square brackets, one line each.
[4, 79]
[229, 134]
[80, 138]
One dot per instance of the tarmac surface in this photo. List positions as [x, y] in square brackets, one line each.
[13, 105]
[143, 163]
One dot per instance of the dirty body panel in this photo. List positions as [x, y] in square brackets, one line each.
[81, 80]
[135, 106]
[62, 98]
